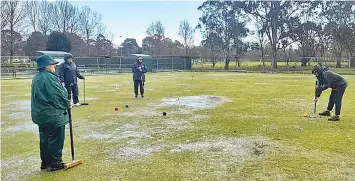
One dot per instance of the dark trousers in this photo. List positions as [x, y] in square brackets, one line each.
[140, 84]
[73, 89]
[51, 144]
[336, 97]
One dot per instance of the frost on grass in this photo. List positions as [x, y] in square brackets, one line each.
[18, 167]
[195, 102]
[120, 131]
[23, 127]
[89, 98]
[134, 152]
[23, 105]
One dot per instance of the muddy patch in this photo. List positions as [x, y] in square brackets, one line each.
[195, 102]
[244, 149]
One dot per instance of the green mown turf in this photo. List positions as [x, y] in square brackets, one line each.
[138, 143]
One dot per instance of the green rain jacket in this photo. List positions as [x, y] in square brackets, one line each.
[49, 100]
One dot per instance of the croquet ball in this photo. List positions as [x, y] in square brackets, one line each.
[116, 108]
[305, 115]
[126, 105]
[164, 113]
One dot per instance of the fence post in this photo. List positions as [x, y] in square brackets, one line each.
[97, 63]
[172, 64]
[157, 64]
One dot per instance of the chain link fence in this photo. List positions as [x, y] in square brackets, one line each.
[24, 67]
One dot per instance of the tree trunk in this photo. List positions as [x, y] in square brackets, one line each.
[352, 62]
[11, 42]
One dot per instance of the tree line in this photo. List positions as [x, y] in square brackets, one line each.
[280, 29]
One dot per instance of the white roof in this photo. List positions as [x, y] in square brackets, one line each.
[141, 55]
[54, 52]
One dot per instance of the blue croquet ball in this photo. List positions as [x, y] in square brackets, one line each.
[126, 105]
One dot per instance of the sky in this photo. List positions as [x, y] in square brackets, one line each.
[130, 19]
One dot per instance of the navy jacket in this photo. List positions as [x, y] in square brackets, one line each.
[69, 73]
[330, 79]
[137, 74]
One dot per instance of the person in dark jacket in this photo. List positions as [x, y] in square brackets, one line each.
[69, 74]
[139, 69]
[49, 105]
[328, 79]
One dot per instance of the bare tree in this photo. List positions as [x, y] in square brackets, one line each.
[61, 15]
[44, 16]
[186, 32]
[16, 14]
[4, 14]
[74, 21]
[90, 20]
[32, 11]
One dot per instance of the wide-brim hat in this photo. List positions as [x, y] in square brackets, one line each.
[44, 61]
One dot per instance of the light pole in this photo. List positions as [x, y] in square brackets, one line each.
[121, 47]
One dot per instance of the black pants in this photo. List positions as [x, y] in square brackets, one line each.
[73, 89]
[51, 144]
[336, 97]
[138, 83]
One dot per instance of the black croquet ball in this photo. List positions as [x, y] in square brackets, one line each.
[164, 113]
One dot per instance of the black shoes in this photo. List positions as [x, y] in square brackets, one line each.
[44, 166]
[55, 167]
[325, 113]
[334, 118]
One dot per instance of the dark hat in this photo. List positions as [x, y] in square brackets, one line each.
[44, 61]
[67, 56]
[319, 70]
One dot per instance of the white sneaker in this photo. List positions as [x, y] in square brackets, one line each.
[77, 104]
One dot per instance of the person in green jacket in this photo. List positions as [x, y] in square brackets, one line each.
[49, 110]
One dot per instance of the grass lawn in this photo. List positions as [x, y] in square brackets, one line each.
[219, 126]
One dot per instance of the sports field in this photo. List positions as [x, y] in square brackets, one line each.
[219, 126]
